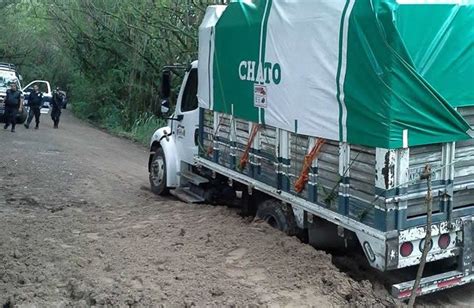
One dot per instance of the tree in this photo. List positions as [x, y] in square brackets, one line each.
[108, 54]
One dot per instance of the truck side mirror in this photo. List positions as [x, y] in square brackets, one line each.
[165, 84]
[165, 92]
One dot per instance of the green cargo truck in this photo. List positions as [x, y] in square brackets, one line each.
[336, 118]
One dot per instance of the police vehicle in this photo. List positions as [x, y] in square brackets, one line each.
[8, 74]
[44, 87]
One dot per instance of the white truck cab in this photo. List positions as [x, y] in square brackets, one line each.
[178, 141]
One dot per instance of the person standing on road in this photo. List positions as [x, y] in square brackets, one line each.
[34, 101]
[13, 105]
[65, 100]
[57, 106]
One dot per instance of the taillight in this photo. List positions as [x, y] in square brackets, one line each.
[406, 249]
[443, 241]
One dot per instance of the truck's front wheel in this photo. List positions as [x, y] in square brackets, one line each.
[158, 173]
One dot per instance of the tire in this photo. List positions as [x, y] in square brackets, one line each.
[157, 173]
[278, 215]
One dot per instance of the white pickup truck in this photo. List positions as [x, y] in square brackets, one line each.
[337, 119]
[9, 74]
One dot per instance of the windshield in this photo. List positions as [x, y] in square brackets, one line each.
[6, 79]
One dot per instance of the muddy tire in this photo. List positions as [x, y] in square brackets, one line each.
[278, 215]
[157, 173]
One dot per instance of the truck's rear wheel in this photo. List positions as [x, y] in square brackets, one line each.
[278, 215]
[158, 173]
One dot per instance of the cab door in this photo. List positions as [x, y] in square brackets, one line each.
[186, 123]
[45, 88]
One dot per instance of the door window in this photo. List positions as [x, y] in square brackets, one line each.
[43, 87]
[190, 101]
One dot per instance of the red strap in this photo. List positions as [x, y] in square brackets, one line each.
[308, 161]
[245, 158]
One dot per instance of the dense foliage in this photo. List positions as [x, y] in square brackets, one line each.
[107, 54]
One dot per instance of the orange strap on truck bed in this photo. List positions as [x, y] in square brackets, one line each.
[245, 158]
[308, 161]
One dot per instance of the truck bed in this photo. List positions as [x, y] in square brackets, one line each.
[350, 180]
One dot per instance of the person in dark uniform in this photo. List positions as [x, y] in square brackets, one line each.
[13, 104]
[57, 104]
[34, 101]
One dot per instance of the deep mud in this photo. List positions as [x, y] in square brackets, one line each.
[79, 228]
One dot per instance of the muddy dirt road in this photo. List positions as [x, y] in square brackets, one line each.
[79, 228]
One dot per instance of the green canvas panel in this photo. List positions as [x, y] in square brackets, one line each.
[440, 41]
[384, 94]
[238, 38]
[397, 71]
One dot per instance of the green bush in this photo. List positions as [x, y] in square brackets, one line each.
[112, 119]
[144, 127]
[104, 103]
[84, 111]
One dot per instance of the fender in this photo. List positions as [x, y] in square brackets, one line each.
[166, 139]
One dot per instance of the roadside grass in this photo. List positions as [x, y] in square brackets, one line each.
[114, 121]
[144, 127]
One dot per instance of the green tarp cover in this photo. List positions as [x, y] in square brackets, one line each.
[440, 41]
[379, 73]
